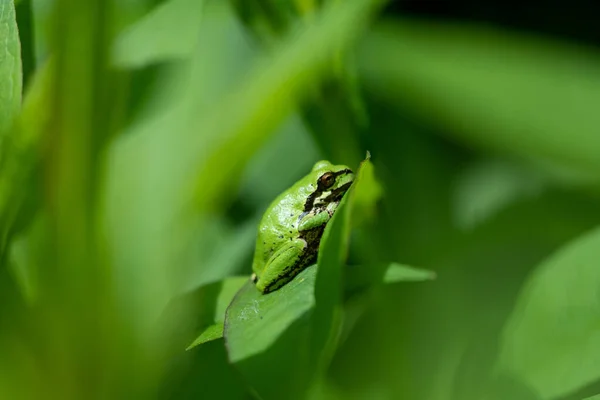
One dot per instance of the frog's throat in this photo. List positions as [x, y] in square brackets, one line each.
[310, 201]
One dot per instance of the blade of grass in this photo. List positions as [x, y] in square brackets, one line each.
[11, 75]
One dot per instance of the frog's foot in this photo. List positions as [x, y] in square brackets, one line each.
[253, 278]
[282, 266]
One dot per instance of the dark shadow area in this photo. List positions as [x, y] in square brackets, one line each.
[573, 21]
[202, 373]
[283, 370]
[26, 36]
[186, 316]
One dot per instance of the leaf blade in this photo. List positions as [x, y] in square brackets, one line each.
[468, 79]
[10, 66]
[169, 31]
[327, 316]
[272, 330]
[551, 338]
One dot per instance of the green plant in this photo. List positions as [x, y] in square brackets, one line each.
[151, 135]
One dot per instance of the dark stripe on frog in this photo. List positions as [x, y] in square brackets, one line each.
[290, 272]
[310, 201]
[336, 195]
[313, 240]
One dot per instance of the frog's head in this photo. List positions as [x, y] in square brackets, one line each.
[332, 182]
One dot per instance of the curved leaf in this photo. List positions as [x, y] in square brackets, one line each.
[327, 316]
[254, 321]
[267, 336]
[212, 332]
[552, 339]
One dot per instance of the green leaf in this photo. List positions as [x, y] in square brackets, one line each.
[358, 277]
[228, 288]
[21, 158]
[402, 273]
[267, 336]
[366, 223]
[552, 338]
[246, 316]
[199, 314]
[366, 193]
[11, 78]
[155, 267]
[327, 316]
[487, 187]
[529, 96]
[219, 247]
[169, 31]
[254, 320]
[596, 397]
[210, 333]
[26, 258]
[273, 330]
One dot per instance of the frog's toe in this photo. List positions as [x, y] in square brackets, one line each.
[253, 278]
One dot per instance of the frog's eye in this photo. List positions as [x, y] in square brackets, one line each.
[326, 180]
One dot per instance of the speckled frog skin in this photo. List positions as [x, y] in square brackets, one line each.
[290, 230]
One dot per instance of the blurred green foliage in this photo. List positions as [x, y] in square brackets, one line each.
[140, 142]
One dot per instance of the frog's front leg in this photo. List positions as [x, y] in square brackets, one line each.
[313, 221]
[281, 267]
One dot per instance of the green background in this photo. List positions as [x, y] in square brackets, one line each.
[141, 140]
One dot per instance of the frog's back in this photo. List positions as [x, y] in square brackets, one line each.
[279, 224]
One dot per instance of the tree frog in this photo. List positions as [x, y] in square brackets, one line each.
[290, 231]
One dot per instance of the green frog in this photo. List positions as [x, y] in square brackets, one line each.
[290, 231]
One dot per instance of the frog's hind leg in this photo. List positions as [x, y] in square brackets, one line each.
[282, 266]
